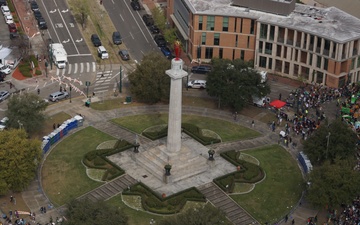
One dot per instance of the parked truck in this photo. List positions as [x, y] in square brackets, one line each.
[59, 55]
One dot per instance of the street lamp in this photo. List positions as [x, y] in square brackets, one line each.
[70, 93]
[327, 145]
[20, 124]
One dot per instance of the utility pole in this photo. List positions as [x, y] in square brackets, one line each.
[120, 82]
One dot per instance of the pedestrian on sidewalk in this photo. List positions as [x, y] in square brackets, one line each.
[293, 222]
[253, 124]
[286, 218]
[38, 91]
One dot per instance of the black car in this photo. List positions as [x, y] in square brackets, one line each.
[37, 15]
[201, 69]
[148, 20]
[14, 35]
[154, 29]
[34, 6]
[124, 54]
[95, 40]
[116, 37]
[135, 4]
[2, 76]
[42, 24]
[160, 40]
[3, 2]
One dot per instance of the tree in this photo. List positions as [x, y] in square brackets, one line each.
[84, 212]
[81, 11]
[26, 111]
[19, 158]
[148, 82]
[22, 45]
[159, 18]
[206, 215]
[333, 183]
[234, 83]
[341, 143]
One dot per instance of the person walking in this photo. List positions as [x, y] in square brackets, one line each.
[293, 222]
[38, 91]
[253, 124]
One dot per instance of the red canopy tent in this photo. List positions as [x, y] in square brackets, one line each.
[277, 104]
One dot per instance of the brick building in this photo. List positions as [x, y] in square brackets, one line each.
[319, 45]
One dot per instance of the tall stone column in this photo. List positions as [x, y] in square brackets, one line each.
[176, 73]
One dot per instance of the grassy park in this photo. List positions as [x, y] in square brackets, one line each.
[64, 177]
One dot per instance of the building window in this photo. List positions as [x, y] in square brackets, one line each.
[241, 25]
[200, 22]
[216, 39]
[199, 52]
[208, 53]
[242, 55]
[225, 24]
[263, 31]
[310, 59]
[261, 46]
[252, 26]
[236, 40]
[235, 24]
[326, 63]
[318, 61]
[248, 42]
[210, 22]
[221, 50]
[270, 63]
[203, 38]
[352, 64]
[272, 32]
[358, 62]
[262, 62]
[268, 48]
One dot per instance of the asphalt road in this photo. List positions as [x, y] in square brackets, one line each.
[129, 23]
[62, 29]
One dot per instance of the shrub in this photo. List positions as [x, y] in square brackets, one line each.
[195, 132]
[38, 72]
[98, 161]
[91, 155]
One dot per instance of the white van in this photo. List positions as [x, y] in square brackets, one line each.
[260, 102]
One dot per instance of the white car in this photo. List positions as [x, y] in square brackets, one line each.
[5, 10]
[3, 123]
[197, 84]
[9, 19]
[4, 95]
[5, 69]
[102, 53]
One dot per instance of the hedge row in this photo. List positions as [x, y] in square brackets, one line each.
[97, 160]
[153, 135]
[195, 132]
[248, 173]
[152, 202]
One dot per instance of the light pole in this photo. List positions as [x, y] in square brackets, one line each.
[327, 145]
[120, 82]
[70, 93]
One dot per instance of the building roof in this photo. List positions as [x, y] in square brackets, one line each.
[330, 23]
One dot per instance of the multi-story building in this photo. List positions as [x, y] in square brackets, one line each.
[317, 45]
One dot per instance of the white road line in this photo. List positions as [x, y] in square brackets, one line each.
[76, 68]
[69, 68]
[112, 1]
[55, 3]
[45, 84]
[57, 71]
[94, 66]
[52, 24]
[72, 39]
[137, 22]
[121, 17]
[131, 35]
[100, 88]
[81, 67]
[87, 67]
[79, 55]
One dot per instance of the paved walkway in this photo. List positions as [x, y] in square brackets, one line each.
[35, 198]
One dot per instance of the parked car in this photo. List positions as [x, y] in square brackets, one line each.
[166, 51]
[124, 54]
[9, 19]
[116, 37]
[95, 40]
[148, 20]
[34, 6]
[14, 35]
[3, 2]
[12, 27]
[42, 24]
[3, 123]
[201, 69]
[154, 29]
[2, 76]
[160, 40]
[5, 69]
[56, 96]
[135, 4]
[4, 95]
[197, 84]
[5, 10]
[37, 15]
[102, 53]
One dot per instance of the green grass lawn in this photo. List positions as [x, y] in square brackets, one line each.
[273, 198]
[63, 175]
[226, 130]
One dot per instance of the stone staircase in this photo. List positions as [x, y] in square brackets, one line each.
[119, 132]
[221, 200]
[110, 189]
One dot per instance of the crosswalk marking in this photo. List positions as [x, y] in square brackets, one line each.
[103, 81]
[77, 68]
